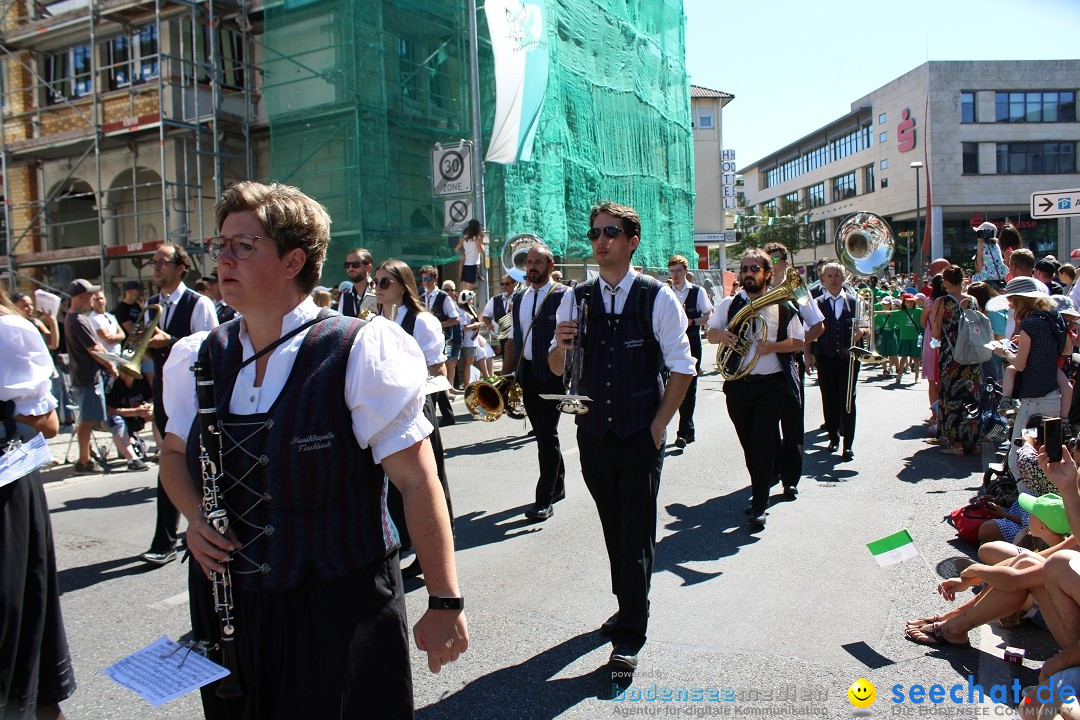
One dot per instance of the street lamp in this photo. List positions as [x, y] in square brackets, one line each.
[917, 166]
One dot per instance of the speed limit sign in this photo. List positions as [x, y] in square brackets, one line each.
[451, 169]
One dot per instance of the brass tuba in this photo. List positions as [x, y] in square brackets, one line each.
[129, 361]
[736, 361]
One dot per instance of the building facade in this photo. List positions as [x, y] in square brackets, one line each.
[710, 205]
[987, 135]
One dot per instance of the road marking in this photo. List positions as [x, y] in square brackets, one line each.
[170, 602]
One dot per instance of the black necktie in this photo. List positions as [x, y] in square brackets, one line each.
[536, 295]
[613, 291]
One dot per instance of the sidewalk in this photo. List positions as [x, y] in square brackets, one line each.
[65, 445]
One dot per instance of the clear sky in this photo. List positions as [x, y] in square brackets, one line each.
[796, 65]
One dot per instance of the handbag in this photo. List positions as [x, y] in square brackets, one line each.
[973, 331]
[967, 519]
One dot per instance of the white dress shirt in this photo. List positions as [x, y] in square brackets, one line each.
[428, 335]
[203, 315]
[527, 311]
[106, 322]
[449, 308]
[384, 376]
[27, 370]
[769, 363]
[668, 321]
[703, 304]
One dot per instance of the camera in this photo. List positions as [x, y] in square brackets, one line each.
[986, 234]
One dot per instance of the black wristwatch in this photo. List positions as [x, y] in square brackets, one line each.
[446, 603]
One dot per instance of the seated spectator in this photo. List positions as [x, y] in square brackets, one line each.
[129, 404]
[1011, 525]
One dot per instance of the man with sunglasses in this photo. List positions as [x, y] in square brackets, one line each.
[445, 309]
[497, 307]
[183, 312]
[757, 401]
[696, 304]
[790, 460]
[317, 412]
[635, 327]
[361, 296]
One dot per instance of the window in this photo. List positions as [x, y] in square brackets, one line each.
[868, 179]
[834, 150]
[884, 183]
[882, 137]
[68, 74]
[817, 233]
[1036, 158]
[884, 164]
[231, 43]
[705, 122]
[971, 158]
[882, 118]
[815, 195]
[967, 107]
[133, 58]
[843, 187]
[1035, 107]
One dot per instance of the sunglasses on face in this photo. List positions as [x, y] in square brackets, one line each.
[384, 283]
[611, 231]
[426, 278]
[778, 260]
[354, 264]
[752, 268]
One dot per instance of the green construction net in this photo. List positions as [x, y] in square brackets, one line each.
[358, 91]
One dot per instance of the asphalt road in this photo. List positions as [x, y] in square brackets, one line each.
[783, 621]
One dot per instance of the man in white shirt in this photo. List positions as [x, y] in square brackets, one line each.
[696, 305]
[358, 300]
[315, 410]
[183, 312]
[757, 400]
[108, 330]
[445, 310]
[497, 308]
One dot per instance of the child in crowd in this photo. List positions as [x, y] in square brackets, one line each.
[129, 404]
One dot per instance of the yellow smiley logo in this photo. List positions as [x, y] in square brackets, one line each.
[862, 693]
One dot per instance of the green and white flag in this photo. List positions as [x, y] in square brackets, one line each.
[893, 549]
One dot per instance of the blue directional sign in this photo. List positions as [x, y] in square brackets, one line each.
[1055, 203]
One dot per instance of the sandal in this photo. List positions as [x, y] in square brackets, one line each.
[954, 451]
[924, 621]
[931, 634]
[932, 441]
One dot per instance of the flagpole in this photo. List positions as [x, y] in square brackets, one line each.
[474, 88]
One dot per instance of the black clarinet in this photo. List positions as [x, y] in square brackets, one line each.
[216, 515]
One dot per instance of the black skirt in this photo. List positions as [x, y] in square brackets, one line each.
[35, 666]
[321, 650]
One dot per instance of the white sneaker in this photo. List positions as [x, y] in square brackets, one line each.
[136, 464]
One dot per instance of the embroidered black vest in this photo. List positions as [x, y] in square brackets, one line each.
[622, 360]
[301, 495]
[543, 330]
[837, 335]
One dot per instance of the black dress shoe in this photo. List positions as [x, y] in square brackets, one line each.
[680, 442]
[791, 491]
[757, 522]
[540, 512]
[847, 455]
[834, 445]
[609, 624]
[623, 658]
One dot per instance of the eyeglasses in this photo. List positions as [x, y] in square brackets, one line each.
[240, 246]
[611, 231]
[752, 268]
[354, 264]
[384, 283]
[778, 259]
[159, 264]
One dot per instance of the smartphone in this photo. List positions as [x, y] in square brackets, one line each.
[1051, 431]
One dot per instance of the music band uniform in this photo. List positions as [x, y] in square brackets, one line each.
[696, 304]
[321, 616]
[443, 308]
[757, 401]
[792, 422]
[626, 345]
[183, 312]
[537, 308]
[833, 361]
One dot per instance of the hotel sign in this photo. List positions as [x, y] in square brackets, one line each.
[727, 179]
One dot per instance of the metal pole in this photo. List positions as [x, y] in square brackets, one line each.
[918, 223]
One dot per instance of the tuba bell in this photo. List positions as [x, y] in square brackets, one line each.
[736, 361]
[516, 252]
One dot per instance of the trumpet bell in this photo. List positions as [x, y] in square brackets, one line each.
[488, 399]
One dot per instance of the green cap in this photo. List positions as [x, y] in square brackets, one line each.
[1048, 508]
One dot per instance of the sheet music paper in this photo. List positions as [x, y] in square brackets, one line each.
[163, 671]
[21, 459]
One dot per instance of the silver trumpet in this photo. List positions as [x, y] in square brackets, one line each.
[573, 402]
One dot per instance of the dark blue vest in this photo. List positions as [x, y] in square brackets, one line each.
[837, 335]
[622, 360]
[498, 308]
[693, 332]
[323, 496]
[452, 333]
[542, 332]
[789, 362]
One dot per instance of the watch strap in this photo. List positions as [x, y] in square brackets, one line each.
[446, 603]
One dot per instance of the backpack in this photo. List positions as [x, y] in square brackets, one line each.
[973, 331]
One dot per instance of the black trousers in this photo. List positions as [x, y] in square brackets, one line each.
[168, 517]
[325, 649]
[789, 462]
[544, 416]
[446, 409]
[833, 380]
[689, 402]
[395, 504]
[623, 477]
[756, 404]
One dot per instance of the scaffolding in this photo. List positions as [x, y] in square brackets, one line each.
[122, 122]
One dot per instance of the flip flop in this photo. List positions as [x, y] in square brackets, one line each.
[924, 621]
[931, 634]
